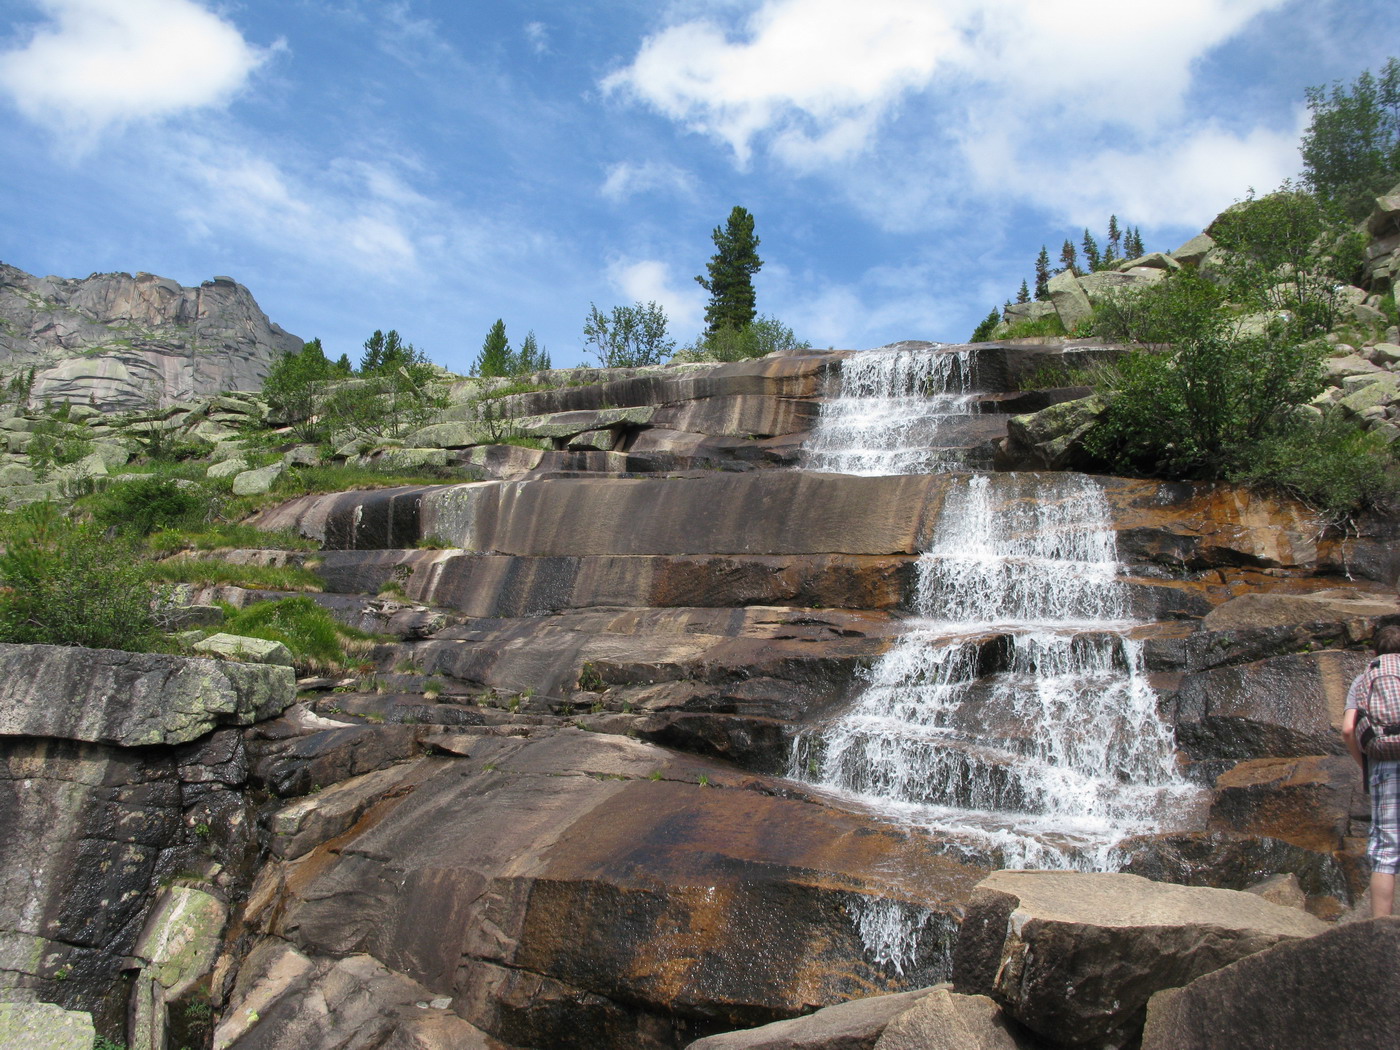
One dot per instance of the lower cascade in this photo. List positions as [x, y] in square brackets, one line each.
[1013, 716]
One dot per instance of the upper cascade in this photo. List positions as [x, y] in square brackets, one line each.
[121, 342]
[896, 412]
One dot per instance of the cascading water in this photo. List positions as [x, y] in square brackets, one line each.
[894, 405]
[1013, 716]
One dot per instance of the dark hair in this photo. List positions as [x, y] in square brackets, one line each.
[1388, 639]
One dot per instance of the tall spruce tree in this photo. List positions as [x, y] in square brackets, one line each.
[495, 357]
[730, 273]
[1092, 259]
[532, 356]
[1132, 243]
[1115, 240]
[1069, 258]
[1042, 275]
[1024, 295]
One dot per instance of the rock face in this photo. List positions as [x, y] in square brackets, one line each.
[1336, 989]
[605, 892]
[123, 342]
[1076, 957]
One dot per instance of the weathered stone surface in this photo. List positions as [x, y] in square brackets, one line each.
[1281, 706]
[249, 650]
[227, 468]
[257, 482]
[616, 876]
[945, 1020]
[1308, 802]
[1071, 303]
[118, 339]
[44, 1026]
[131, 699]
[1335, 989]
[1193, 251]
[176, 950]
[855, 1025]
[1052, 438]
[1075, 957]
[1280, 610]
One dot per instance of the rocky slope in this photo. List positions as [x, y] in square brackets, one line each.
[122, 342]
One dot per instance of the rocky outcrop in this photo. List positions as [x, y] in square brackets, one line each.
[123, 342]
[1076, 957]
[1335, 989]
[604, 892]
[107, 696]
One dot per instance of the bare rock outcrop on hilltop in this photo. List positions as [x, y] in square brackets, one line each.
[122, 342]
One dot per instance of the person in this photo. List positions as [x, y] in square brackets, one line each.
[1383, 847]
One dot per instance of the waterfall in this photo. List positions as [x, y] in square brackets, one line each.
[1013, 716]
[894, 406]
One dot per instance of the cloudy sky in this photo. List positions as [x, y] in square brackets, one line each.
[431, 165]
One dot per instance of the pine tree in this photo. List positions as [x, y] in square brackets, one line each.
[1092, 259]
[730, 274]
[1132, 243]
[385, 352]
[495, 356]
[1069, 259]
[1024, 295]
[1115, 240]
[983, 331]
[532, 358]
[1042, 275]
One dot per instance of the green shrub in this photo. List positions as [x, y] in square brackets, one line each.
[64, 583]
[1049, 326]
[139, 507]
[207, 572]
[1331, 463]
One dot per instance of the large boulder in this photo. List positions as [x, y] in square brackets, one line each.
[855, 1025]
[107, 696]
[44, 1026]
[1333, 990]
[1051, 439]
[1071, 302]
[1075, 957]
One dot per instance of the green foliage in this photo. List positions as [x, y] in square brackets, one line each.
[301, 481]
[1351, 150]
[764, 336]
[1042, 275]
[1287, 253]
[495, 358]
[386, 352]
[1198, 409]
[225, 534]
[1173, 310]
[103, 1043]
[1329, 462]
[314, 637]
[729, 274]
[56, 443]
[63, 582]
[139, 507]
[298, 385]
[531, 358]
[984, 330]
[629, 337]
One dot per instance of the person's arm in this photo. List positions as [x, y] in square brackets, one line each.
[1349, 735]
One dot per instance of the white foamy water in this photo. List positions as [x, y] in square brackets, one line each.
[1013, 716]
[892, 405]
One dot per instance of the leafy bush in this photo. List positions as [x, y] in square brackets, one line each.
[139, 507]
[1329, 462]
[1180, 308]
[1351, 150]
[64, 583]
[761, 337]
[629, 337]
[315, 638]
[1040, 327]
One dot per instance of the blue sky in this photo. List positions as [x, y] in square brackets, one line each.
[430, 166]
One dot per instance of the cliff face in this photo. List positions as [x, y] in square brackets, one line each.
[120, 342]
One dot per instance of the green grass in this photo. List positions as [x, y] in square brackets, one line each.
[316, 640]
[302, 481]
[208, 572]
[222, 535]
[1044, 326]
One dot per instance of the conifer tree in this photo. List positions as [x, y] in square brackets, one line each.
[1069, 258]
[730, 273]
[984, 330]
[1024, 295]
[1042, 275]
[532, 357]
[1092, 260]
[1115, 239]
[1132, 243]
[495, 356]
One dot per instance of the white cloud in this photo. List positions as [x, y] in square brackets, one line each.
[537, 35]
[649, 280]
[911, 103]
[625, 180]
[99, 63]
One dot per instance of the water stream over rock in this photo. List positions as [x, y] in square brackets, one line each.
[1013, 716]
